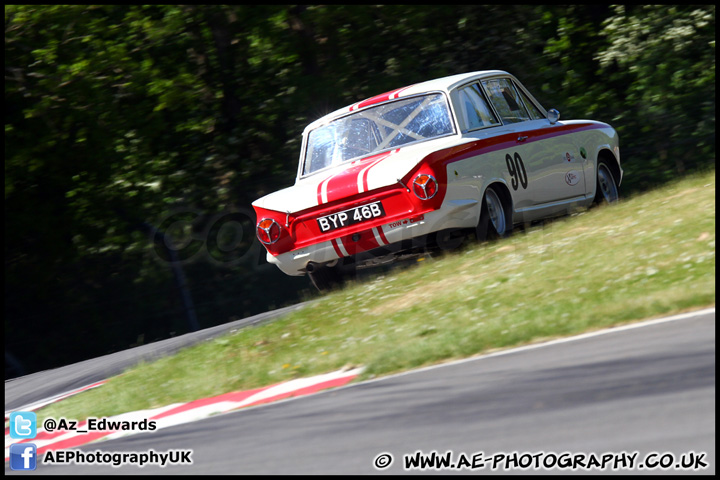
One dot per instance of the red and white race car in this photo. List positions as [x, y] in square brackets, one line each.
[418, 167]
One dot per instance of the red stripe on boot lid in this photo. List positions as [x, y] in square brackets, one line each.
[350, 181]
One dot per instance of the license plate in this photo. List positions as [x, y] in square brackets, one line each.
[351, 217]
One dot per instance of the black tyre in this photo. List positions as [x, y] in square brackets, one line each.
[494, 219]
[607, 190]
[326, 278]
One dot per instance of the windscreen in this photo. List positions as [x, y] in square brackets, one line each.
[375, 129]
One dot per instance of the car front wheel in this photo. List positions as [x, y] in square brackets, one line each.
[607, 190]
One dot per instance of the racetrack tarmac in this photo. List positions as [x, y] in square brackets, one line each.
[646, 389]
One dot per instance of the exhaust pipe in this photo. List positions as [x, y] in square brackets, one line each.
[314, 266]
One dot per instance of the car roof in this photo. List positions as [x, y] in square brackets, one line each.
[444, 84]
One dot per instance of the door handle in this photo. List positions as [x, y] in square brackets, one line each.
[522, 138]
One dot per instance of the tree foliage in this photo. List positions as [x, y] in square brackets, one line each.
[664, 57]
[119, 116]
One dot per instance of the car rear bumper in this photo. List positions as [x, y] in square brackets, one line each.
[455, 214]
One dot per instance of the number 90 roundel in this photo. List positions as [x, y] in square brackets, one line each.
[425, 165]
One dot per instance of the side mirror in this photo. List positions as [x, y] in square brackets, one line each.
[553, 116]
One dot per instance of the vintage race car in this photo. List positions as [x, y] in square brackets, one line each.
[420, 167]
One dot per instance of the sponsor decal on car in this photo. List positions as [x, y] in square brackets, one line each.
[407, 221]
[572, 177]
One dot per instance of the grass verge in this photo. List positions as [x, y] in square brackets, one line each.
[650, 255]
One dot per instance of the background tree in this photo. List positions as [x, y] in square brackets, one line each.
[125, 119]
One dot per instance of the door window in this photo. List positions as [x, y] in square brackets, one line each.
[506, 100]
[475, 110]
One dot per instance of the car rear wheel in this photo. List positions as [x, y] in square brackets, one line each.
[607, 190]
[493, 217]
[326, 278]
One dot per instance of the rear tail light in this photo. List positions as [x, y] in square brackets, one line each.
[425, 186]
[268, 231]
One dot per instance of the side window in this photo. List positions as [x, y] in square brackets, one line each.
[475, 109]
[506, 100]
[534, 112]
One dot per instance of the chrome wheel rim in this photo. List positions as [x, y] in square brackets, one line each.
[606, 182]
[495, 211]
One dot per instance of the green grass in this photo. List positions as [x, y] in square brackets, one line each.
[648, 256]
